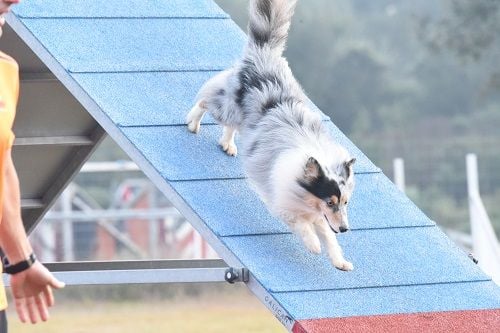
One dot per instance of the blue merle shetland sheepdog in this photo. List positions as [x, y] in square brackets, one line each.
[303, 176]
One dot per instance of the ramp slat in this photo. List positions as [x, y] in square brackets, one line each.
[376, 203]
[160, 44]
[180, 155]
[119, 9]
[388, 300]
[429, 322]
[167, 96]
[388, 257]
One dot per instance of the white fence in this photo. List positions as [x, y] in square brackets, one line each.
[485, 243]
[138, 224]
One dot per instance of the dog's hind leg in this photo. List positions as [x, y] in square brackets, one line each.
[227, 141]
[332, 246]
[193, 118]
[306, 231]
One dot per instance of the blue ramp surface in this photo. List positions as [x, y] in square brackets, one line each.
[137, 73]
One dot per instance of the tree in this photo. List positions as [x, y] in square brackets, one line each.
[469, 29]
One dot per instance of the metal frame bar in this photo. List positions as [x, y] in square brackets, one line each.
[111, 214]
[54, 140]
[36, 77]
[67, 173]
[31, 203]
[143, 272]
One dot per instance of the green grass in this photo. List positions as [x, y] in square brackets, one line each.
[239, 312]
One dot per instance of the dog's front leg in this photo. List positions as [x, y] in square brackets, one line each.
[306, 232]
[332, 246]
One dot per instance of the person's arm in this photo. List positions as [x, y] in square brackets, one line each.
[32, 288]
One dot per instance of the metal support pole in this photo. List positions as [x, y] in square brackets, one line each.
[145, 271]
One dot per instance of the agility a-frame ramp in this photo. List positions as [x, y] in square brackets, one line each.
[131, 69]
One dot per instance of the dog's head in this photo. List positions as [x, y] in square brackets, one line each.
[328, 190]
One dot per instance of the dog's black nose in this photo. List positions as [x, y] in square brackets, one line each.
[343, 229]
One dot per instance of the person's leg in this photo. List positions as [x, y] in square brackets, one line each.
[3, 322]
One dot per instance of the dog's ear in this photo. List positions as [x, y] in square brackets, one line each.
[312, 169]
[346, 168]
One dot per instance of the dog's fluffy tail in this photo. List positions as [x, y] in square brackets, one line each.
[269, 23]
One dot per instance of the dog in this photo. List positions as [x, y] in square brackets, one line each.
[303, 177]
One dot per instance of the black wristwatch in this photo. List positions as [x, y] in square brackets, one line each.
[18, 267]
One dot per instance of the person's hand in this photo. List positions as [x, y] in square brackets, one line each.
[32, 292]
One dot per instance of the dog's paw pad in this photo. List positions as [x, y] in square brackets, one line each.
[194, 126]
[229, 147]
[232, 150]
[344, 266]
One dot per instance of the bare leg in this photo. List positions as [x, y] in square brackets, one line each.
[306, 231]
[332, 246]
[227, 141]
[193, 118]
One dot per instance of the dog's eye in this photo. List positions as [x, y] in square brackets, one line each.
[329, 203]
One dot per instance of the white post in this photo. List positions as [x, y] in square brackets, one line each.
[67, 224]
[472, 175]
[399, 174]
[197, 245]
[154, 229]
[484, 241]
[46, 232]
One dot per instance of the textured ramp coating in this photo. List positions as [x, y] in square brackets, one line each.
[387, 300]
[121, 8]
[453, 321]
[168, 96]
[159, 44]
[180, 155]
[401, 256]
[231, 208]
[377, 203]
[146, 99]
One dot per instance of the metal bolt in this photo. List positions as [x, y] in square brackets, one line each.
[231, 275]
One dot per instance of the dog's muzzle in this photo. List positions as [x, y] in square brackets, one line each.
[328, 221]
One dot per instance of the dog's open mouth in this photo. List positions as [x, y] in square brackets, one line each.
[328, 221]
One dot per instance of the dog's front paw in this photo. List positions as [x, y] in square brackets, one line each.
[229, 147]
[343, 265]
[194, 126]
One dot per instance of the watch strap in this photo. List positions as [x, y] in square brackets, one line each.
[20, 266]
